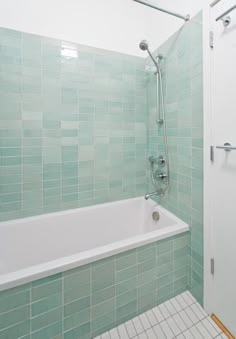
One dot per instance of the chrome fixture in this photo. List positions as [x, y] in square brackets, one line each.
[226, 21]
[157, 160]
[227, 147]
[161, 121]
[161, 160]
[159, 175]
[158, 192]
[155, 215]
[225, 13]
[180, 16]
[144, 47]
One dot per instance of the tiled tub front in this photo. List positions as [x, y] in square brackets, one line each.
[89, 300]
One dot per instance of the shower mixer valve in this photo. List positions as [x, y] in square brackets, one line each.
[159, 175]
[157, 160]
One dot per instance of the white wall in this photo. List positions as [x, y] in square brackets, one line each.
[117, 25]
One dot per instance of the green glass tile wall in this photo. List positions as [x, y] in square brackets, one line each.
[86, 301]
[72, 125]
[183, 83]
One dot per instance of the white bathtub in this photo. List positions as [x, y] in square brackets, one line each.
[37, 247]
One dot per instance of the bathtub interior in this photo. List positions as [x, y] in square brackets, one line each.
[55, 238]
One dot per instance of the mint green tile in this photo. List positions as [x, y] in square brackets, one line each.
[103, 308]
[46, 304]
[146, 276]
[126, 259]
[165, 247]
[147, 265]
[164, 258]
[46, 290]
[77, 306]
[48, 332]
[44, 320]
[147, 301]
[82, 332]
[103, 295]
[126, 274]
[77, 319]
[147, 288]
[126, 312]
[126, 286]
[126, 298]
[145, 253]
[103, 276]
[77, 292]
[15, 316]
[14, 300]
[103, 323]
[17, 331]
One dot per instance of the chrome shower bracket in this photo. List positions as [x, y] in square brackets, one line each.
[226, 21]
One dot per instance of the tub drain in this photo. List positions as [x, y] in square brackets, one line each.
[155, 216]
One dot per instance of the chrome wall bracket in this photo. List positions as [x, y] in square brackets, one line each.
[226, 21]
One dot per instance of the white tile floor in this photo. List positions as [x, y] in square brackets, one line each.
[181, 317]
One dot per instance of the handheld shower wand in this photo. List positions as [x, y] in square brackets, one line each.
[144, 47]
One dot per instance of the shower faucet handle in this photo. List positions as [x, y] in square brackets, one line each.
[161, 160]
[160, 176]
[157, 160]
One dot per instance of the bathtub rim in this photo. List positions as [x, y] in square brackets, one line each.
[36, 272]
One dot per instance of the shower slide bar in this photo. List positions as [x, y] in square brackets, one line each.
[226, 12]
[180, 16]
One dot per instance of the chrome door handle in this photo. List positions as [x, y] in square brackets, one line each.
[227, 147]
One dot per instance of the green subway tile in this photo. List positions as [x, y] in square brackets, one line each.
[103, 323]
[46, 304]
[77, 306]
[46, 319]
[126, 260]
[126, 298]
[46, 290]
[146, 253]
[165, 269]
[48, 332]
[19, 330]
[147, 265]
[103, 276]
[147, 301]
[103, 295]
[164, 258]
[14, 300]
[78, 292]
[146, 288]
[126, 286]
[103, 308]
[123, 312]
[165, 247]
[15, 316]
[126, 274]
[77, 319]
[82, 332]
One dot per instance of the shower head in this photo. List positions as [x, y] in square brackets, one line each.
[143, 45]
